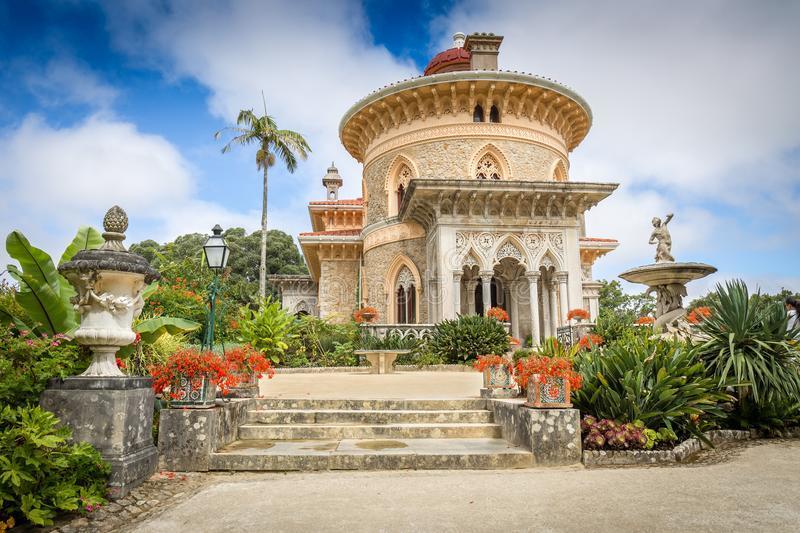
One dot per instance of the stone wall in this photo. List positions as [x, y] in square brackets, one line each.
[453, 159]
[376, 262]
[552, 435]
[188, 437]
[338, 282]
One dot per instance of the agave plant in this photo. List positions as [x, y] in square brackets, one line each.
[748, 342]
[468, 337]
[662, 383]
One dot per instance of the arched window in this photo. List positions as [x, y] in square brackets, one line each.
[494, 114]
[488, 168]
[397, 187]
[477, 115]
[405, 297]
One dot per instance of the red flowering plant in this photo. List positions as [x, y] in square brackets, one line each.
[590, 341]
[194, 366]
[581, 314]
[247, 361]
[698, 315]
[365, 314]
[485, 361]
[498, 313]
[546, 367]
[645, 320]
[514, 342]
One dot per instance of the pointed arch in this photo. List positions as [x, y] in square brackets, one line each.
[512, 247]
[490, 163]
[401, 171]
[549, 258]
[558, 170]
[404, 287]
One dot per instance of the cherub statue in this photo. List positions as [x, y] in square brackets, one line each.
[662, 239]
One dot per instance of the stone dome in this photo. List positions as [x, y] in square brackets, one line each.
[451, 60]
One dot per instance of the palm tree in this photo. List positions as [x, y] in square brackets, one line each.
[271, 141]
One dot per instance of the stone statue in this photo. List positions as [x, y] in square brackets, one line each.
[662, 239]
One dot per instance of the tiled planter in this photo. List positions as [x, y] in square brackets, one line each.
[498, 377]
[247, 388]
[554, 393]
[200, 397]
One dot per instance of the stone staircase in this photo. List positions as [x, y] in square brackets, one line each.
[318, 434]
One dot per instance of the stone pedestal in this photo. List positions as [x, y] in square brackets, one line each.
[113, 414]
[499, 393]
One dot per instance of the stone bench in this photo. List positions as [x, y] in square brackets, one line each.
[381, 361]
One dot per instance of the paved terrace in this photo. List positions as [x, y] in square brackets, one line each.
[360, 386]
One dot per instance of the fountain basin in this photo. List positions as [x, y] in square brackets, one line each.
[667, 273]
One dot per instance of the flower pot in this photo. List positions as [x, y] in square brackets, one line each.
[553, 393]
[247, 387]
[498, 377]
[367, 316]
[200, 394]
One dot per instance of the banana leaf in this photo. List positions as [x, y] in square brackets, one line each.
[87, 238]
[35, 263]
[8, 318]
[152, 328]
[43, 304]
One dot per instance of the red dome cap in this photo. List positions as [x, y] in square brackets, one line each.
[451, 60]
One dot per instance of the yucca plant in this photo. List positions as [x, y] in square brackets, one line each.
[662, 383]
[467, 337]
[748, 343]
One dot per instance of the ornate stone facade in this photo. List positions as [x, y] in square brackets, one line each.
[468, 202]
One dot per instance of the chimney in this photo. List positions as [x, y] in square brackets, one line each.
[332, 181]
[483, 49]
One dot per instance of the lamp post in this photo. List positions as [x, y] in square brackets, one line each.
[216, 252]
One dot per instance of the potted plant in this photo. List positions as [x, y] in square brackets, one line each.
[497, 371]
[578, 315]
[189, 378]
[365, 314]
[248, 365]
[549, 381]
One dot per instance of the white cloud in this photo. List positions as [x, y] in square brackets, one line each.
[65, 81]
[313, 60]
[55, 179]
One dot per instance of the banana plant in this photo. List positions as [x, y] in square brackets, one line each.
[43, 293]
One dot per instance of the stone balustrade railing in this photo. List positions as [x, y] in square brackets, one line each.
[415, 331]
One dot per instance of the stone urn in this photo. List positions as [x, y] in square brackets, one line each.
[104, 407]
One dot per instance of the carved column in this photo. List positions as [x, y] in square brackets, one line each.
[471, 285]
[561, 277]
[457, 292]
[553, 308]
[533, 285]
[514, 305]
[486, 282]
[546, 310]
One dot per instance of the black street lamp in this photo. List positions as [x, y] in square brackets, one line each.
[216, 251]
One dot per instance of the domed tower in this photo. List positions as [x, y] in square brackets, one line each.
[468, 202]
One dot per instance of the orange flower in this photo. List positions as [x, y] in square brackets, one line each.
[578, 313]
[498, 313]
[589, 341]
[370, 312]
[485, 361]
[698, 315]
[545, 367]
[645, 320]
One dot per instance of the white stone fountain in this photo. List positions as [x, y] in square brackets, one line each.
[668, 279]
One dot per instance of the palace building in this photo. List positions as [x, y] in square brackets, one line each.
[467, 202]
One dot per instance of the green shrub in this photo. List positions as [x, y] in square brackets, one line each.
[317, 341]
[28, 361]
[41, 473]
[467, 337]
[661, 383]
[748, 343]
[269, 330]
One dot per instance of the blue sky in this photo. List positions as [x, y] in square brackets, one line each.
[111, 102]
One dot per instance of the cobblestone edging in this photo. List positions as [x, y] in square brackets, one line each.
[159, 493]
[679, 453]
[346, 369]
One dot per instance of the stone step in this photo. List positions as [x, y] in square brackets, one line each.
[367, 431]
[370, 454]
[396, 416]
[371, 405]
